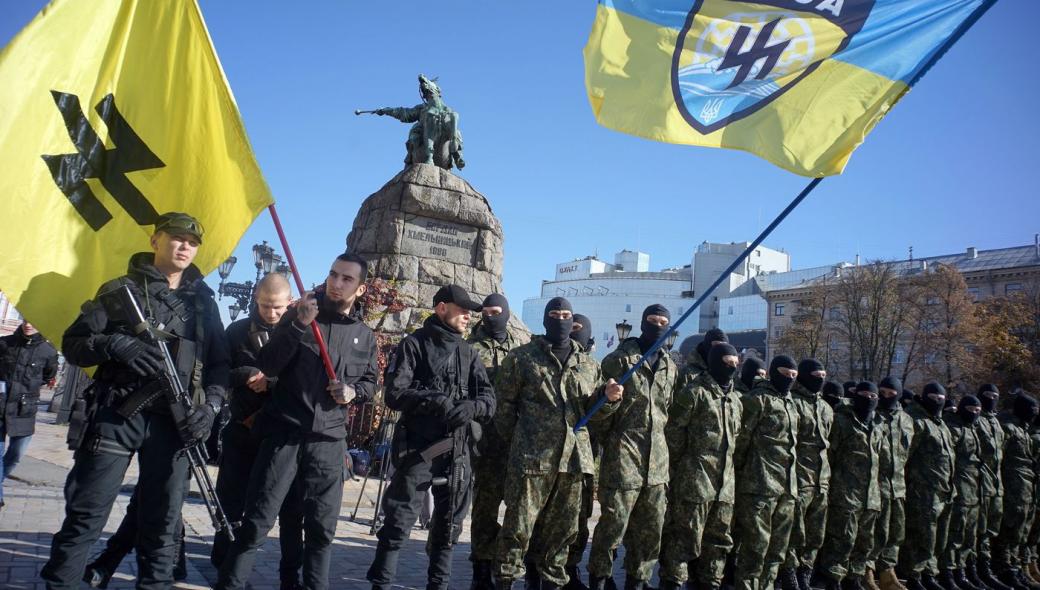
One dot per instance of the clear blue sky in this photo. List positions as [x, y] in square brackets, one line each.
[954, 165]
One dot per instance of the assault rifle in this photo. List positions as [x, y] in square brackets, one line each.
[121, 305]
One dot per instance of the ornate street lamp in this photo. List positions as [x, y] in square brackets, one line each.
[283, 269]
[234, 310]
[668, 344]
[224, 270]
[623, 330]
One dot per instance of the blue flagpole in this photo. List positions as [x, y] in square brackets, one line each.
[672, 328]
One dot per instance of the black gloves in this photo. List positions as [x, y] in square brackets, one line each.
[439, 406]
[461, 414]
[198, 424]
[143, 359]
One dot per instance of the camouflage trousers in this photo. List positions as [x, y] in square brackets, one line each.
[553, 498]
[634, 517]
[488, 493]
[1033, 538]
[990, 512]
[889, 532]
[927, 525]
[850, 540]
[577, 548]
[762, 528]
[1009, 545]
[696, 530]
[810, 523]
[961, 540]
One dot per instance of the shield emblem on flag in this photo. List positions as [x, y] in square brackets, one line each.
[733, 57]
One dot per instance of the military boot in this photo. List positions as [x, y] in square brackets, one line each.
[962, 580]
[1024, 580]
[972, 574]
[890, 581]
[634, 583]
[946, 580]
[482, 579]
[574, 579]
[930, 583]
[913, 583]
[788, 579]
[804, 575]
[852, 583]
[869, 581]
[670, 585]
[987, 577]
[531, 579]
[1032, 572]
[548, 584]
[597, 583]
[1009, 577]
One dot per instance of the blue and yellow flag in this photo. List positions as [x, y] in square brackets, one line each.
[797, 82]
[111, 113]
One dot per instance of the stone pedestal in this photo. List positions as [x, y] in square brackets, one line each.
[424, 229]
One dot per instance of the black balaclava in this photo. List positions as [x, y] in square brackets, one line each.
[712, 335]
[933, 407]
[865, 400]
[890, 403]
[650, 333]
[720, 371]
[908, 396]
[809, 381]
[989, 404]
[966, 401]
[749, 371]
[584, 335]
[849, 387]
[782, 383]
[557, 331]
[949, 405]
[1024, 407]
[832, 393]
[496, 324]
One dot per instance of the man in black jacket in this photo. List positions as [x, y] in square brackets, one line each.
[27, 361]
[438, 383]
[251, 389]
[303, 424]
[128, 419]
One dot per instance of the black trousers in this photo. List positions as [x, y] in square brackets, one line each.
[93, 485]
[123, 541]
[240, 449]
[315, 464]
[402, 502]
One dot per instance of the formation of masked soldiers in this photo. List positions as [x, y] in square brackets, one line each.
[722, 472]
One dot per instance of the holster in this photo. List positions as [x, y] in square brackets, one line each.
[83, 410]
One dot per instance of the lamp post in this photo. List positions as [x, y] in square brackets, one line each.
[234, 310]
[623, 330]
[266, 261]
[668, 344]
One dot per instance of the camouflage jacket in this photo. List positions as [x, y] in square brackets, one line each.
[897, 432]
[929, 462]
[492, 353]
[1034, 437]
[855, 448]
[814, 427]
[702, 428]
[634, 449]
[967, 461]
[540, 401]
[991, 440]
[766, 454]
[1017, 470]
[694, 366]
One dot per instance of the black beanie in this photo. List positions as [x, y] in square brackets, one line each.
[891, 382]
[782, 383]
[749, 371]
[867, 386]
[1024, 407]
[805, 375]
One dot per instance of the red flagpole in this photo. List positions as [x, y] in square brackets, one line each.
[329, 370]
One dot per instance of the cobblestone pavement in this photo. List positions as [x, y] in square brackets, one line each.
[35, 508]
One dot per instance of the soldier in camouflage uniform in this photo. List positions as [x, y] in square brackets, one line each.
[767, 482]
[1018, 476]
[814, 427]
[855, 496]
[492, 342]
[544, 387]
[960, 545]
[1029, 554]
[703, 423]
[833, 394]
[929, 484]
[897, 431]
[991, 440]
[751, 370]
[697, 361]
[633, 474]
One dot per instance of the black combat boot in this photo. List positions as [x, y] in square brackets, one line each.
[482, 579]
[1024, 580]
[1008, 577]
[972, 575]
[961, 577]
[986, 575]
[913, 583]
[788, 579]
[852, 583]
[574, 579]
[597, 583]
[634, 583]
[828, 582]
[947, 581]
[531, 579]
[804, 575]
[547, 584]
[670, 585]
[930, 583]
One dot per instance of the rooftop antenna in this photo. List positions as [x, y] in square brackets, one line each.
[911, 253]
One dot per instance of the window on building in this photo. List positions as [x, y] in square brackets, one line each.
[1012, 288]
[628, 307]
[835, 314]
[778, 309]
[731, 310]
[778, 332]
[899, 358]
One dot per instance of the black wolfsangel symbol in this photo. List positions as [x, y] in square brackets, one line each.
[746, 61]
[93, 160]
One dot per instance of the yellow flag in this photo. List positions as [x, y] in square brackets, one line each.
[111, 113]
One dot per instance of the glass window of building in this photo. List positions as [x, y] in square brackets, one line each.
[778, 309]
[1012, 288]
[628, 307]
